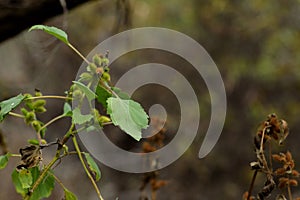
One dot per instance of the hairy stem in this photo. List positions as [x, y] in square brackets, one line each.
[85, 167]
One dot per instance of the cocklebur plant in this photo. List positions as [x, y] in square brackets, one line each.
[34, 179]
[282, 176]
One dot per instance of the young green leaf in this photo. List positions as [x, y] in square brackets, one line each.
[102, 95]
[67, 109]
[87, 91]
[25, 178]
[69, 195]
[9, 104]
[79, 118]
[128, 115]
[4, 160]
[56, 32]
[93, 166]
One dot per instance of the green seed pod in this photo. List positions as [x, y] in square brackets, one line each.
[97, 60]
[85, 76]
[106, 76]
[105, 61]
[91, 68]
[30, 116]
[77, 94]
[40, 109]
[103, 119]
[36, 125]
[24, 111]
[43, 141]
[38, 93]
[39, 103]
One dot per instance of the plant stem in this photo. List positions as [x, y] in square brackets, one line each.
[16, 114]
[50, 97]
[78, 53]
[85, 168]
[44, 173]
[289, 192]
[51, 121]
[252, 184]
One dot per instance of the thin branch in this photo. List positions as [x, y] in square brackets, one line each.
[85, 168]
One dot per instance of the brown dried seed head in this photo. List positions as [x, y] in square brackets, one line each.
[283, 182]
[293, 182]
[295, 173]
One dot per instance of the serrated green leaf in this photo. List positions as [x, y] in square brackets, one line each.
[102, 95]
[67, 109]
[4, 160]
[122, 95]
[69, 195]
[87, 91]
[25, 178]
[128, 115]
[93, 166]
[9, 104]
[79, 118]
[56, 32]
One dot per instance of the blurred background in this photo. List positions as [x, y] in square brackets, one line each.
[255, 44]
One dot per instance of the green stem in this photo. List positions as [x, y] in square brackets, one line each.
[85, 168]
[78, 53]
[16, 115]
[50, 97]
[44, 173]
[52, 121]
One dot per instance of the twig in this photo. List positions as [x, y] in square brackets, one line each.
[85, 168]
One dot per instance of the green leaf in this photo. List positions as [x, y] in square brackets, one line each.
[102, 95]
[67, 109]
[33, 141]
[44, 189]
[25, 178]
[9, 104]
[122, 95]
[128, 115]
[87, 91]
[79, 118]
[18, 184]
[69, 195]
[56, 32]
[4, 160]
[93, 166]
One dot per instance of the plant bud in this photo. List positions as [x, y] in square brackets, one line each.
[103, 119]
[106, 76]
[39, 103]
[91, 68]
[30, 116]
[36, 125]
[77, 94]
[97, 60]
